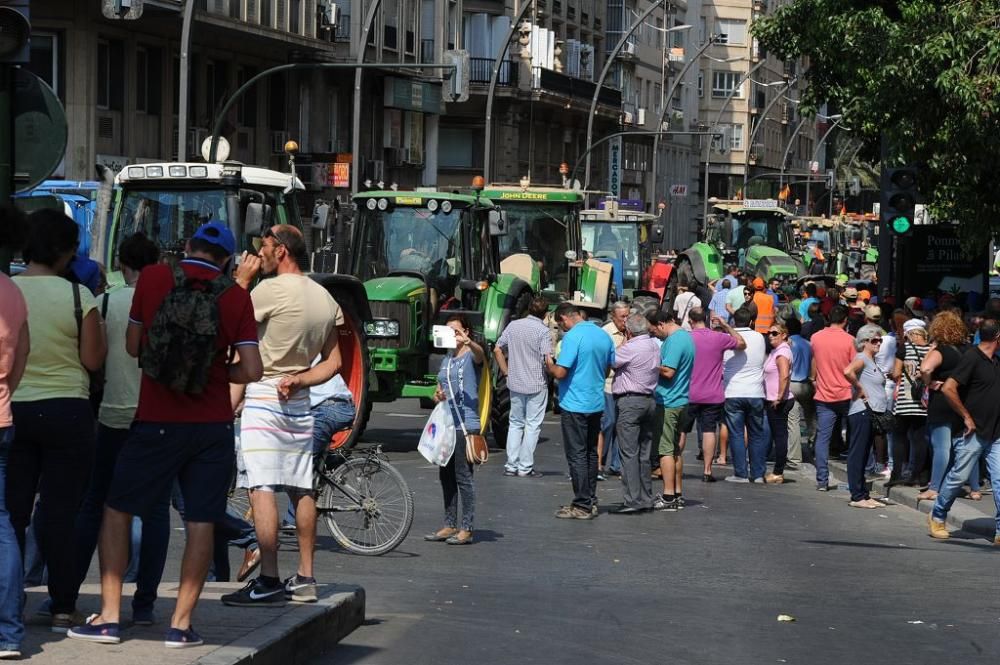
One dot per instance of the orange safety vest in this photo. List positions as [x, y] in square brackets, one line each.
[765, 311]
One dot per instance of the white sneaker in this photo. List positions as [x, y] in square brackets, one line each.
[9, 654]
[736, 479]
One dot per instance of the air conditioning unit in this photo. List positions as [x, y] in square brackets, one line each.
[786, 113]
[628, 49]
[676, 54]
[278, 141]
[640, 117]
[677, 116]
[627, 118]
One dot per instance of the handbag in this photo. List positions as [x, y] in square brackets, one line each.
[437, 441]
[476, 449]
[918, 390]
[883, 422]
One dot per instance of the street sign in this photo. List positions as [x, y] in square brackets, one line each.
[614, 167]
[39, 131]
[456, 88]
[678, 190]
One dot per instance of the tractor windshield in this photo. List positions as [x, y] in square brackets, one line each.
[539, 230]
[768, 227]
[411, 239]
[606, 240]
[168, 216]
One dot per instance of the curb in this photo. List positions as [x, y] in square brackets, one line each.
[290, 639]
[962, 515]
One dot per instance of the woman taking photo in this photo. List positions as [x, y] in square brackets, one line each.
[778, 397]
[458, 385]
[951, 339]
[53, 447]
[868, 402]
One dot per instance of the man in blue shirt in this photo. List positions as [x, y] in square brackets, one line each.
[585, 355]
[802, 389]
[671, 396]
[808, 298]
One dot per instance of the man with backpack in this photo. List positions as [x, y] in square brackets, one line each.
[297, 320]
[184, 323]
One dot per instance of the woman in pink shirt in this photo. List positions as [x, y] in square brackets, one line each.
[778, 398]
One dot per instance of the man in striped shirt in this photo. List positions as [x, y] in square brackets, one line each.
[520, 353]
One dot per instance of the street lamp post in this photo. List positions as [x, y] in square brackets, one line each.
[600, 81]
[356, 121]
[788, 147]
[497, 63]
[760, 123]
[718, 118]
[815, 154]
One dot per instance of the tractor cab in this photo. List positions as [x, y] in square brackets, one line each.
[543, 223]
[625, 239]
[757, 235]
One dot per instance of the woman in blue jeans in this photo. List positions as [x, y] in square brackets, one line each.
[868, 398]
[950, 337]
[458, 385]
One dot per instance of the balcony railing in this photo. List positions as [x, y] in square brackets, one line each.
[481, 69]
[570, 86]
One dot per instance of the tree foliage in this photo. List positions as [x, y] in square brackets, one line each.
[923, 74]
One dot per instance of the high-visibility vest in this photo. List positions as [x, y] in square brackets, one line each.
[765, 311]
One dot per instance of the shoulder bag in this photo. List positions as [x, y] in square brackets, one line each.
[476, 450]
[918, 390]
[884, 422]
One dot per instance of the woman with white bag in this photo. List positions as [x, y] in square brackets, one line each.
[458, 386]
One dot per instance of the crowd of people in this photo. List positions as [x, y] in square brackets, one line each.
[760, 374]
[232, 368]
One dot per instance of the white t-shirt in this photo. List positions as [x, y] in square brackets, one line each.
[683, 304]
[121, 371]
[743, 371]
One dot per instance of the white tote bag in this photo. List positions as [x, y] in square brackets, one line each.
[437, 442]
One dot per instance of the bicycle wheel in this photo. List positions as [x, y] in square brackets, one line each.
[366, 504]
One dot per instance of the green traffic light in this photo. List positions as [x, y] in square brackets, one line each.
[901, 224]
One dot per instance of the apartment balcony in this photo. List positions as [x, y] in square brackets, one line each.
[548, 80]
[481, 69]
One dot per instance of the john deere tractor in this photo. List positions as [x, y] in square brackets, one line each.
[423, 256]
[755, 235]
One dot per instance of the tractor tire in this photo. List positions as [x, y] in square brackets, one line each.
[645, 305]
[355, 369]
[500, 411]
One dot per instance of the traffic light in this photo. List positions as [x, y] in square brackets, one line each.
[899, 198]
[15, 32]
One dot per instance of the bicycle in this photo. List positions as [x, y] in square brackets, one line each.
[364, 502]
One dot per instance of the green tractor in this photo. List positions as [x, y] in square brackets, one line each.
[422, 256]
[626, 239]
[756, 235]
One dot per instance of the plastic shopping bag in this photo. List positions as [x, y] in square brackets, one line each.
[437, 442]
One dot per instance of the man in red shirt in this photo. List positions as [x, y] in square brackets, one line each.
[833, 350]
[177, 435]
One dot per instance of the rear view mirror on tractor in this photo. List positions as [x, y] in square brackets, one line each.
[253, 222]
[498, 225]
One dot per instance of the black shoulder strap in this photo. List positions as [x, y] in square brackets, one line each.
[78, 315]
[179, 276]
[104, 306]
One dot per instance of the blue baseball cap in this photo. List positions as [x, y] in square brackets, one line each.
[87, 272]
[217, 234]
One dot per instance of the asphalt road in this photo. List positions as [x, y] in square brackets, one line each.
[704, 585]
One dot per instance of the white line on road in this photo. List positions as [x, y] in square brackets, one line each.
[406, 415]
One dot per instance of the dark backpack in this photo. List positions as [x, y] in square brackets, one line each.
[180, 344]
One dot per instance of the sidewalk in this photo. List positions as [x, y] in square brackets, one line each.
[978, 517]
[232, 635]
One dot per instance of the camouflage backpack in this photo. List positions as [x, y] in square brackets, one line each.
[180, 345]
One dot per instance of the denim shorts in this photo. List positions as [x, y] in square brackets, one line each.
[201, 456]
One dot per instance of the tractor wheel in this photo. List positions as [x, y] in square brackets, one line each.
[355, 364]
[500, 411]
[645, 305]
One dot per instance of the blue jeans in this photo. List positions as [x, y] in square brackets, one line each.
[152, 552]
[612, 458]
[860, 439]
[940, 436]
[748, 413]
[329, 417]
[11, 575]
[527, 411]
[829, 415]
[965, 459]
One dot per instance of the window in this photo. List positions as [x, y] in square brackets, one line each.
[390, 38]
[217, 81]
[725, 82]
[148, 80]
[702, 30]
[103, 75]
[276, 104]
[246, 108]
[110, 75]
[266, 14]
[657, 97]
[735, 136]
[701, 83]
[455, 147]
[731, 31]
[45, 58]
[295, 17]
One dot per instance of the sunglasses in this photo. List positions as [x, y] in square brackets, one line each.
[259, 242]
[874, 340]
[774, 333]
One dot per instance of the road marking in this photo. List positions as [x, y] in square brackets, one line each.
[406, 415]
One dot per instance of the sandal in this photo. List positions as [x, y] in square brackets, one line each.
[458, 540]
[975, 496]
[928, 495]
[441, 535]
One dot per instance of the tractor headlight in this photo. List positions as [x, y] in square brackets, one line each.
[371, 204]
[382, 328]
[446, 207]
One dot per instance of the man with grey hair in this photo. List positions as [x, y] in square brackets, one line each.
[608, 457]
[637, 367]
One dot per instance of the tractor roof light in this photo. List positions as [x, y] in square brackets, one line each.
[383, 204]
[371, 204]
[432, 205]
[154, 171]
[198, 172]
[177, 171]
[136, 172]
[446, 207]
[478, 183]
